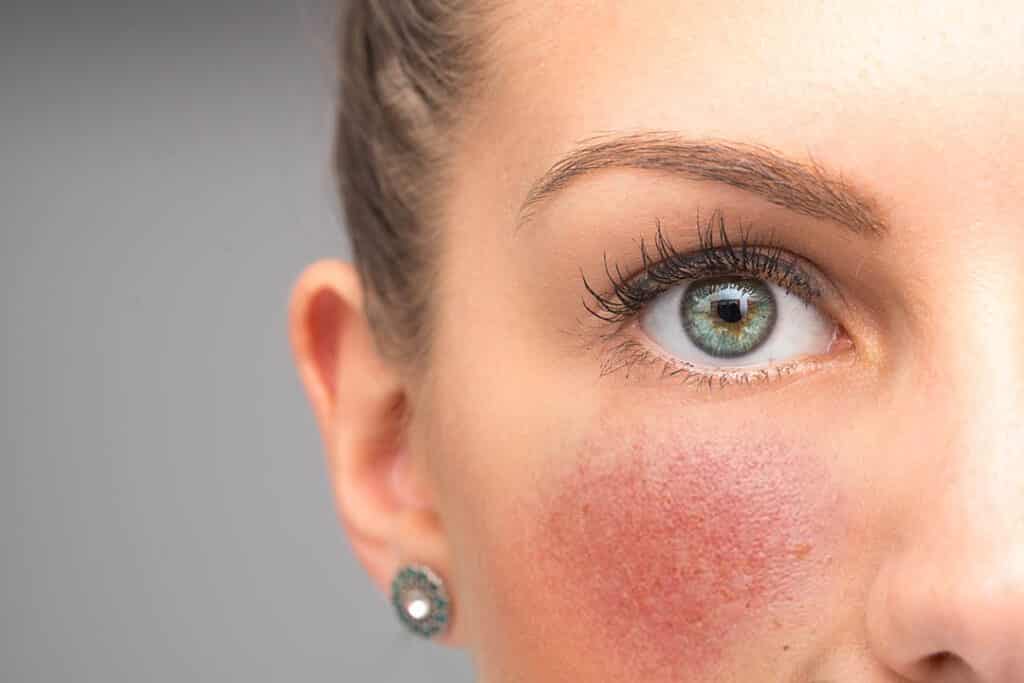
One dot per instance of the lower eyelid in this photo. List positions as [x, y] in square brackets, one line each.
[630, 352]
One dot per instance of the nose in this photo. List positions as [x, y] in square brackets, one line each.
[952, 619]
[947, 603]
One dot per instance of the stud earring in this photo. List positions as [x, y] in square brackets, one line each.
[420, 598]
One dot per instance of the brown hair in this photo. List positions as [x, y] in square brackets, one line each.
[405, 67]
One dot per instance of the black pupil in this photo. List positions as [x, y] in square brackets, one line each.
[729, 311]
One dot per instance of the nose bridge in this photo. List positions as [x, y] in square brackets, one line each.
[951, 591]
[979, 360]
[951, 594]
[968, 343]
[976, 297]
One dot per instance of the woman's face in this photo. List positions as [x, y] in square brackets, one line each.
[807, 471]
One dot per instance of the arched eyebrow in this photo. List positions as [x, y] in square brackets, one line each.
[805, 188]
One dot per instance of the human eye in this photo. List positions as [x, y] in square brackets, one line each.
[736, 312]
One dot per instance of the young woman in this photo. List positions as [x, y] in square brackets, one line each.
[683, 339]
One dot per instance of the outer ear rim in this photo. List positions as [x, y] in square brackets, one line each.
[316, 279]
[353, 396]
[356, 397]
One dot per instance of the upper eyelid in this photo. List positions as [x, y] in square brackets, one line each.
[626, 295]
[791, 261]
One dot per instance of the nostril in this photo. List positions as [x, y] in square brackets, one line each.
[945, 663]
[940, 659]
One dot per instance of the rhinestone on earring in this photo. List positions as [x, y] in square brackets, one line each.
[420, 598]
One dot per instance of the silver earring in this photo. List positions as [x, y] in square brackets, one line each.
[420, 598]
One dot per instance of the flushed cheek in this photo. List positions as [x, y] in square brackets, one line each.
[661, 551]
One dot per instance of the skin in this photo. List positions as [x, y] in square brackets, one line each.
[859, 519]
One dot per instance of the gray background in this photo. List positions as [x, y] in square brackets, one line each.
[164, 509]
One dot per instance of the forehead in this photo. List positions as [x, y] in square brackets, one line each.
[859, 85]
[717, 56]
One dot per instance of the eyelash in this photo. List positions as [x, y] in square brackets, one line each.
[627, 297]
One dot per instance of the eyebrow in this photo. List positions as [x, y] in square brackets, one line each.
[804, 187]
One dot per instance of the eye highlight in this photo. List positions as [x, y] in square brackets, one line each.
[733, 312]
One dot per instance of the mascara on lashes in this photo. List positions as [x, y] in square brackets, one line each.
[628, 295]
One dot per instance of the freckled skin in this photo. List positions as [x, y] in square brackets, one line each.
[669, 549]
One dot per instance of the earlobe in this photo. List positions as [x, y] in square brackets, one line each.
[361, 405]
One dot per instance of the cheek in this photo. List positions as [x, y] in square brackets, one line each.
[662, 550]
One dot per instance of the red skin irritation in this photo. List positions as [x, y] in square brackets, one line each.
[665, 551]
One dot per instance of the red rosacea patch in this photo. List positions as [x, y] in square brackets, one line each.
[667, 549]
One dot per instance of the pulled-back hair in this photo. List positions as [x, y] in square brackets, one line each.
[405, 68]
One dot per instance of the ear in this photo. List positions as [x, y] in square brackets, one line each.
[361, 407]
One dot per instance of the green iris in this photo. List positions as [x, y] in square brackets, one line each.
[728, 316]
